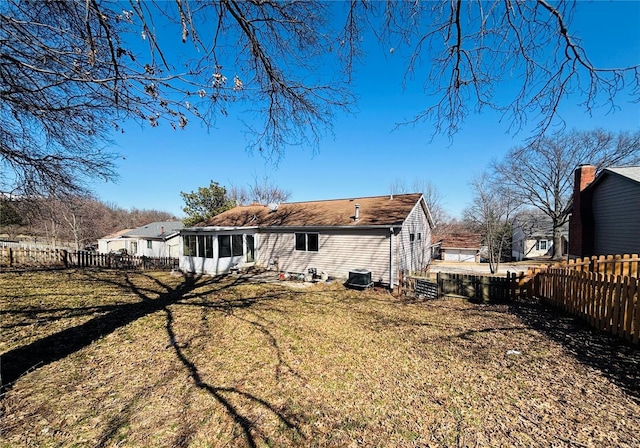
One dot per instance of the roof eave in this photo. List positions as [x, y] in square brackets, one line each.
[342, 227]
[216, 228]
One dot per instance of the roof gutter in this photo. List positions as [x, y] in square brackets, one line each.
[306, 228]
[216, 229]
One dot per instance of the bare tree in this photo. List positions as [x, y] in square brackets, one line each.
[72, 72]
[261, 191]
[398, 186]
[73, 219]
[432, 197]
[541, 173]
[79, 220]
[491, 213]
[473, 48]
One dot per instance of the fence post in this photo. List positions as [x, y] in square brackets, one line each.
[512, 281]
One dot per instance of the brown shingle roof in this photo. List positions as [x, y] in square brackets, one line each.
[460, 240]
[377, 210]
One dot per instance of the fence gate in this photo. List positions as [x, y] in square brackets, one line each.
[426, 289]
[478, 287]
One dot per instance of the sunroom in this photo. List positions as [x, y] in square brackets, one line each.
[217, 250]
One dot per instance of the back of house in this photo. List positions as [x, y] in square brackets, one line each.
[382, 234]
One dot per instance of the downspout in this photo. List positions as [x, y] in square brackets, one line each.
[391, 241]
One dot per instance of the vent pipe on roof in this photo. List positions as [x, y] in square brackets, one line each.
[162, 230]
[357, 214]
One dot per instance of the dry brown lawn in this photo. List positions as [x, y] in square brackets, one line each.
[105, 359]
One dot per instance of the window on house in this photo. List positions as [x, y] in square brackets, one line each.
[189, 245]
[251, 248]
[224, 246]
[309, 242]
[419, 236]
[198, 246]
[208, 248]
[236, 245]
[149, 244]
[205, 246]
[541, 245]
[412, 237]
[230, 246]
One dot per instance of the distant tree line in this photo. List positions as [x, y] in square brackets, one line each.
[75, 220]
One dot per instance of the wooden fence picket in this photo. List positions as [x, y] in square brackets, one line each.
[33, 257]
[607, 301]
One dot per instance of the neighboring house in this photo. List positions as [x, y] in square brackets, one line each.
[533, 237]
[383, 234]
[112, 242]
[605, 212]
[156, 239]
[459, 247]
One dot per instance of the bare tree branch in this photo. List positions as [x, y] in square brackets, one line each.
[72, 72]
[541, 173]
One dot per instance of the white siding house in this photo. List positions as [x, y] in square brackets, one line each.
[156, 239]
[112, 242]
[533, 236]
[382, 234]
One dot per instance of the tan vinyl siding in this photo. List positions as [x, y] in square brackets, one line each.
[339, 252]
[417, 255]
[616, 213]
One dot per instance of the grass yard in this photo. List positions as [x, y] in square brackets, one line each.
[105, 359]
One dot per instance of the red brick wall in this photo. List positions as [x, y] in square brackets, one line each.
[581, 221]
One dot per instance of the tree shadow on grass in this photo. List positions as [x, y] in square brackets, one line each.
[219, 393]
[21, 360]
[57, 346]
[617, 359]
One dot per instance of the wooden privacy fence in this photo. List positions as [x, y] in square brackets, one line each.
[607, 302]
[493, 288]
[627, 264]
[26, 257]
[601, 290]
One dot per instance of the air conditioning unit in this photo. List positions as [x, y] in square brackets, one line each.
[360, 278]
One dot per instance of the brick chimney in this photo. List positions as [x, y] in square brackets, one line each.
[581, 220]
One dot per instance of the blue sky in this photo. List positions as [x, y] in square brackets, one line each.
[367, 153]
